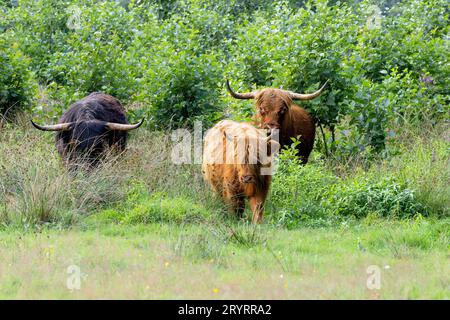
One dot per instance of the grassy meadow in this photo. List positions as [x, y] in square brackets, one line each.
[367, 218]
[142, 227]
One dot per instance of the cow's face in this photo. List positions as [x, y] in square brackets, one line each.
[272, 106]
[248, 173]
[250, 170]
[88, 136]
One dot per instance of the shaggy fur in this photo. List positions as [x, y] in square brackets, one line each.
[232, 165]
[89, 137]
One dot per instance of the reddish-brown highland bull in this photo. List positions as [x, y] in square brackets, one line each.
[89, 128]
[276, 110]
[237, 160]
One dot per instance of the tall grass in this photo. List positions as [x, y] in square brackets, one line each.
[144, 186]
[36, 188]
[411, 183]
[140, 185]
[424, 164]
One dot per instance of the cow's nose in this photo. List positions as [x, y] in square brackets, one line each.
[247, 179]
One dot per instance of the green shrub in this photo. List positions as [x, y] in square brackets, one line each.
[385, 198]
[179, 84]
[95, 56]
[17, 83]
[317, 196]
[390, 85]
[39, 27]
[187, 92]
[387, 65]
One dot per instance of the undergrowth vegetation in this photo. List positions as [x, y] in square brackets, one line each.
[36, 190]
[413, 183]
[384, 148]
[375, 192]
[143, 186]
[387, 61]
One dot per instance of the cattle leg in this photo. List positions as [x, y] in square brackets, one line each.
[257, 207]
[236, 203]
[240, 207]
[304, 151]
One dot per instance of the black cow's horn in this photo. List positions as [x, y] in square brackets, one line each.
[307, 96]
[248, 95]
[53, 127]
[123, 127]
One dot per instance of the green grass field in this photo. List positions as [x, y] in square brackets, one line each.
[142, 227]
[166, 261]
[367, 218]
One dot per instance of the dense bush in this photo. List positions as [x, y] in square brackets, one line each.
[94, 56]
[319, 196]
[179, 83]
[387, 65]
[39, 27]
[17, 83]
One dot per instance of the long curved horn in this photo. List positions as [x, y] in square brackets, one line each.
[307, 96]
[123, 127]
[248, 95]
[53, 127]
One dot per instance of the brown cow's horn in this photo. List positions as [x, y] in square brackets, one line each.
[248, 95]
[53, 127]
[307, 96]
[123, 127]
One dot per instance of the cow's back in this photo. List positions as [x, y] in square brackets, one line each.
[213, 156]
[95, 106]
